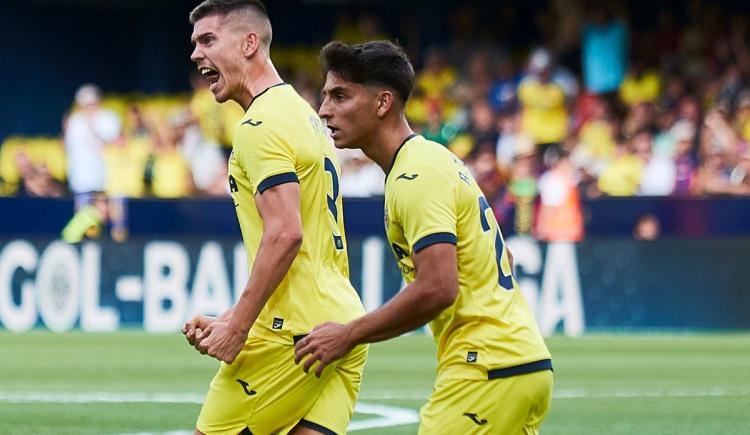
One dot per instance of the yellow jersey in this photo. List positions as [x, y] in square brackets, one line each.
[544, 116]
[489, 331]
[281, 140]
[171, 175]
[126, 165]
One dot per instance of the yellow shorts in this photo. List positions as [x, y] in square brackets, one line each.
[265, 392]
[507, 406]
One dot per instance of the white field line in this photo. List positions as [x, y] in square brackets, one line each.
[98, 397]
[628, 393]
[386, 416]
[583, 393]
[190, 398]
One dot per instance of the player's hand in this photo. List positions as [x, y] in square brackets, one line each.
[194, 325]
[326, 343]
[222, 340]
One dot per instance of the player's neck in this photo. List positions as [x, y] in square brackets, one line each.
[386, 143]
[260, 77]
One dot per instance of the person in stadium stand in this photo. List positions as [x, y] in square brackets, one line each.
[86, 132]
[494, 369]
[283, 177]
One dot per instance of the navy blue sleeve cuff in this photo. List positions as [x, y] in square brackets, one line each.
[275, 180]
[434, 239]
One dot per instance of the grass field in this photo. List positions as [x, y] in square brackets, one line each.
[131, 382]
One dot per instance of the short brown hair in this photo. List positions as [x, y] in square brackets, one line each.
[225, 7]
[371, 63]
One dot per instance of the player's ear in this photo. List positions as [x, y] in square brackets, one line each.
[250, 44]
[384, 102]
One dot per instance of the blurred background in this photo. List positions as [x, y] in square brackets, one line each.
[611, 139]
[592, 127]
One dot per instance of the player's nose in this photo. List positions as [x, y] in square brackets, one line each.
[324, 110]
[196, 55]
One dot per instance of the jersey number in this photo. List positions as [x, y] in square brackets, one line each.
[505, 281]
[329, 167]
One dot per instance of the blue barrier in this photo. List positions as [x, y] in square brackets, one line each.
[606, 217]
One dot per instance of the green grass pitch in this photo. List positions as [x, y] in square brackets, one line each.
[132, 382]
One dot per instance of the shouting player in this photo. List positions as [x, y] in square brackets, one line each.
[283, 177]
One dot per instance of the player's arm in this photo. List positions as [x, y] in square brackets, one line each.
[279, 207]
[279, 245]
[434, 289]
[268, 158]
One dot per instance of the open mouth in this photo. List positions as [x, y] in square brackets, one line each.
[211, 75]
[333, 130]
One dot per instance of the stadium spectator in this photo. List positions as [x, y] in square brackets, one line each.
[436, 129]
[125, 158]
[712, 177]
[740, 176]
[596, 139]
[544, 114]
[36, 179]
[686, 82]
[437, 76]
[482, 128]
[640, 85]
[622, 175]
[88, 221]
[170, 173]
[510, 140]
[647, 228]
[684, 136]
[604, 48]
[742, 117]
[560, 215]
[503, 95]
[658, 177]
[86, 132]
[523, 187]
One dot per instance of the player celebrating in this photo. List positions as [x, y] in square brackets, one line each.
[494, 370]
[284, 184]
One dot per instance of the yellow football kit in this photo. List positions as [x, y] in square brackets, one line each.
[488, 339]
[282, 140]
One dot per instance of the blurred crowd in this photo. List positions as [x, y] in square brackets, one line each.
[594, 108]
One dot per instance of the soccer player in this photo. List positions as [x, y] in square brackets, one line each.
[283, 178]
[494, 371]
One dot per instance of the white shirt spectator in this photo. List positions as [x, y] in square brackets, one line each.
[85, 135]
[658, 177]
[87, 131]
